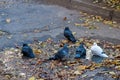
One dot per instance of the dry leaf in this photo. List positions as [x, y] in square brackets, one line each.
[65, 18]
[82, 67]
[78, 73]
[37, 51]
[73, 33]
[40, 79]
[32, 78]
[112, 73]
[77, 24]
[64, 41]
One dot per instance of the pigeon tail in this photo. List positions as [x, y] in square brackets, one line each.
[52, 58]
[32, 55]
[103, 55]
[73, 39]
[77, 56]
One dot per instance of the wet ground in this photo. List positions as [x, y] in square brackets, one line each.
[29, 21]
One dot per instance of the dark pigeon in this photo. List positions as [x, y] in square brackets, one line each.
[80, 51]
[27, 51]
[68, 34]
[62, 54]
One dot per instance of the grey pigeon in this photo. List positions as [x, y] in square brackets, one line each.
[68, 34]
[62, 54]
[27, 51]
[80, 51]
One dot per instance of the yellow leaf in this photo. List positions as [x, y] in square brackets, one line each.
[92, 68]
[37, 51]
[40, 79]
[77, 43]
[64, 41]
[81, 39]
[77, 24]
[117, 67]
[85, 24]
[88, 44]
[77, 73]
[32, 78]
[112, 73]
[82, 67]
[104, 7]
[73, 33]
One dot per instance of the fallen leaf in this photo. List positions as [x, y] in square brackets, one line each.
[82, 67]
[78, 73]
[77, 24]
[112, 73]
[37, 51]
[40, 79]
[117, 67]
[32, 78]
[64, 41]
[73, 33]
[65, 18]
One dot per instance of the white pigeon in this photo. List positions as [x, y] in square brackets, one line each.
[89, 54]
[97, 50]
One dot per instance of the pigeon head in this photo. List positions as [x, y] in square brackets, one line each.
[66, 28]
[82, 45]
[65, 45]
[25, 44]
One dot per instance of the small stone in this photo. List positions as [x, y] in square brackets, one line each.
[8, 20]
[66, 66]
[69, 22]
[22, 74]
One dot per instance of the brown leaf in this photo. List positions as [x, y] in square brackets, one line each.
[65, 18]
[78, 72]
[82, 67]
[37, 51]
[77, 24]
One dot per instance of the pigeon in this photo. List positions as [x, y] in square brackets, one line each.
[89, 54]
[97, 50]
[68, 34]
[80, 51]
[27, 51]
[62, 54]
